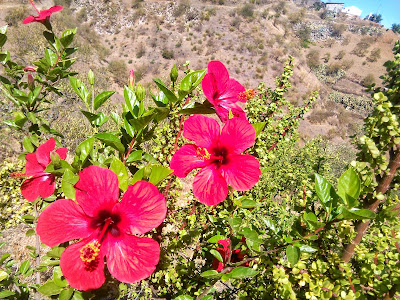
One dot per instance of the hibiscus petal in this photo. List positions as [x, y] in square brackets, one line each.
[43, 152]
[185, 160]
[62, 152]
[209, 186]
[237, 135]
[32, 166]
[42, 185]
[62, 221]
[220, 73]
[230, 94]
[218, 265]
[130, 258]
[28, 19]
[79, 275]
[223, 109]
[225, 243]
[241, 172]
[204, 131]
[209, 87]
[97, 189]
[142, 208]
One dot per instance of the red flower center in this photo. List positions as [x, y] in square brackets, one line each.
[202, 153]
[108, 222]
[220, 155]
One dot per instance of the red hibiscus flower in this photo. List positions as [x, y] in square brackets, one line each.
[106, 227]
[44, 15]
[237, 255]
[222, 91]
[218, 154]
[40, 182]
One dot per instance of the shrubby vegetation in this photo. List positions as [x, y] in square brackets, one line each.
[300, 232]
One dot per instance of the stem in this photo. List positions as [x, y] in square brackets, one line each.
[129, 150]
[382, 188]
[37, 280]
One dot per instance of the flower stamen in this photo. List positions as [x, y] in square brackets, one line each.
[90, 252]
[202, 153]
[31, 1]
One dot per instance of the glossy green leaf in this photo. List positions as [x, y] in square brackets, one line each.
[312, 220]
[111, 140]
[161, 113]
[195, 108]
[3, 275]
[84, 148]
[243, 272]
[245, 202]
[293, 254]
[135, 156]
[216, 238]
[349, 187]
[101, 98]
[28, 145]
[216, 254]
[3, 29]
[67, 37]
[3, 39]
[235, 223]
[271, 225]
[183, 297]
[169, 94]
[122, 173]
[81, 90]
[158, 173]
[142, 122]
[357, 214]
[55, 252]
[4, 57]
[50, 288]
[58, 277]
[211, 274]
[68, 181]
[259, 127]
[50, 57]
[24, 267]
[66, 294]
[252, 238]
[192, 80]
[6, 293]
[326, 193]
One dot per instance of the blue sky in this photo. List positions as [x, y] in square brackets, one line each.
[389, 9]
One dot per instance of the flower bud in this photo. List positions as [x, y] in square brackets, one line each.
[140, 92]
[146, 172]
[30, 69]
[31, 82]
[91, 77]
[131, 80]
[174, 74]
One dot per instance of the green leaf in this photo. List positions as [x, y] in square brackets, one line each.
[135, 156]
[3, 39]
[50, 57]
[111, 140]
[349, 187]
[158, 173]
[293, 254]
[312, 220]
[252, 239]
[243, 272]
[169, 94]
[216, 254]
[131, 101]
[4, 57]
[3, 275]
[143, 121]
[78, 296]
[271, 225]
[357, 214]
[137, 176]
[216, 238]
[68, 181]
[245, 202]
[307, 249]
[58, 277]
[3, 29]
[67, 37]
[161, 113]
[259, 127]
[83, 150]
[4, 257]
[66, 294]
[326, 193]
[183, 297]
[197, 108]
[55, 252]
[235, 223]
[49, 288]
[30, 232]
[192, 80]
[101, 98]
[119, 168]
[81, 90]
[6, 293]
[211, 274]
[28, 144]
[24, 267]
[161, 100]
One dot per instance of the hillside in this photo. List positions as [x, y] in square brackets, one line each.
[335, 56]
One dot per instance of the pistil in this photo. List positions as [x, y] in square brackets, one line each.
[31, 1]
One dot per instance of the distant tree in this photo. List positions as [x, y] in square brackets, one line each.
[377, 18]
[396, 28]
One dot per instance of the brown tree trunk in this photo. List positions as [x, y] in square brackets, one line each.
[382, 188]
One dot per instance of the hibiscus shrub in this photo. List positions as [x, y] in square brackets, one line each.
[124, 215]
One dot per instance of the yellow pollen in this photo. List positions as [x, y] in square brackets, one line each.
[90, 251]
[203, 153]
